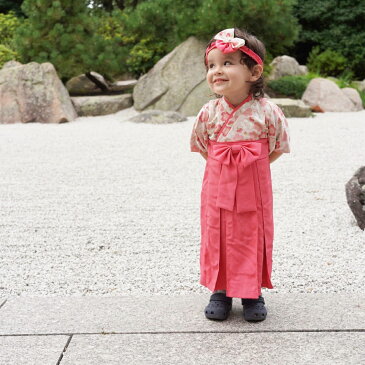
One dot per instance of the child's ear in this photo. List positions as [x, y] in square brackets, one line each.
[257, 72]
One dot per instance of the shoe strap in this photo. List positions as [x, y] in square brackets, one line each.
[220, 297]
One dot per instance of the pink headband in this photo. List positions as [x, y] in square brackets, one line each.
[226, 43]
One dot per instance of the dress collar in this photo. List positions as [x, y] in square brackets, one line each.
[234, 108]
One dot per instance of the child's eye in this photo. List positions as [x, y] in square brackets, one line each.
[211, 65]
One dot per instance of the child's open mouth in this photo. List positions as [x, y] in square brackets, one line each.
[219, 80]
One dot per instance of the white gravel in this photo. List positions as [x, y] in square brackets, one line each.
[102, 206]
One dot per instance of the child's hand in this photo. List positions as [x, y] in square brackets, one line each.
[274, 156]
[204, 154]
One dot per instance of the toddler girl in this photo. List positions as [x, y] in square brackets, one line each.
[239, 134]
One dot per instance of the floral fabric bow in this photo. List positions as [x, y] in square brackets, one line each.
[227, 43]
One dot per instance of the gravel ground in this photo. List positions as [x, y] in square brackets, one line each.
[102, 206]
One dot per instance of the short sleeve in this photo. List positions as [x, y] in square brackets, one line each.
[278, 130]
[199, 135]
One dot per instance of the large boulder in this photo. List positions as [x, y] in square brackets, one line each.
[323, 94]
[285, 66]
[33, 93]
[176, 82]
[101, 104]
[293, 108]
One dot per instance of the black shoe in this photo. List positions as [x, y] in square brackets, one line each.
[219, 307]
[254, 309]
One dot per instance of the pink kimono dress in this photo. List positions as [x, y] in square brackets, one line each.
[237, 226]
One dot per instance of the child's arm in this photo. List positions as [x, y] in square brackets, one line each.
[274, 156]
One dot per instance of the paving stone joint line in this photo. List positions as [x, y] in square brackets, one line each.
[64, 350]
[358, 330]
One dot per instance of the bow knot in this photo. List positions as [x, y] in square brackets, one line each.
[236, 180]
[242, 155]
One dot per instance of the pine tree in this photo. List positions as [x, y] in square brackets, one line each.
[62, 32]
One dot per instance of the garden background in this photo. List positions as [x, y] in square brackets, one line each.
[122, 39]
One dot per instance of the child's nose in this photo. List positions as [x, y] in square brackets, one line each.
[218, 69]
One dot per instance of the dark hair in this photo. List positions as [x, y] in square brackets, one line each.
[257, 87]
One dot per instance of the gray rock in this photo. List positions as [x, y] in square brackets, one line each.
[95, 84]
[355, 194]
[123, 85]
[176, 82]
[285, 66]
[293, 108]
[10, 64]
[33, 93]
[360, 85]
[84, 85]
[324, 95]
[303, 69]
[101, 104]
[158, 117]
[354, 96]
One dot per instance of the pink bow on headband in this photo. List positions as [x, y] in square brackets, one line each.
[227, 43]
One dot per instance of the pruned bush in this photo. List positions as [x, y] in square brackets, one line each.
[327, 63]
[6, 54]
[291, 86]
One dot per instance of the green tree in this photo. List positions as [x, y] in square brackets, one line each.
[272, 21]
[63, 32]
[110, 5]
[160, 25]
[332, 24]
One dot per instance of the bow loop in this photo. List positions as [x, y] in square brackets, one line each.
[249, 154]
[223, 154]
[226, 42]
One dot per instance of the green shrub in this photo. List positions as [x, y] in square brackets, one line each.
[6, 54]
[327, 63]
[8, 24]
[144, 55]
[291, 86]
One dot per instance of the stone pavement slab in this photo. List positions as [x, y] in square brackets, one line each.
[181, 313]
[40, 350]
[217, 348]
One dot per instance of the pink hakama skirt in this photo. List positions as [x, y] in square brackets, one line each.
[237, 218]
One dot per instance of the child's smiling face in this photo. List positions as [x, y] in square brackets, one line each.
[227, 76]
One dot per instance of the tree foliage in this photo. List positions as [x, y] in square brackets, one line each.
[335, 25]
[271, 21]
[62, 32]
[160, 25]
[111, 5]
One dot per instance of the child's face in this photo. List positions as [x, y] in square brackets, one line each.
[227, 76]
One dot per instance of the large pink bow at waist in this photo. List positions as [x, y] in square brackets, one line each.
[236, 180]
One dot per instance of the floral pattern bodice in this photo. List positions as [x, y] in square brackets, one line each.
[253, 119]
